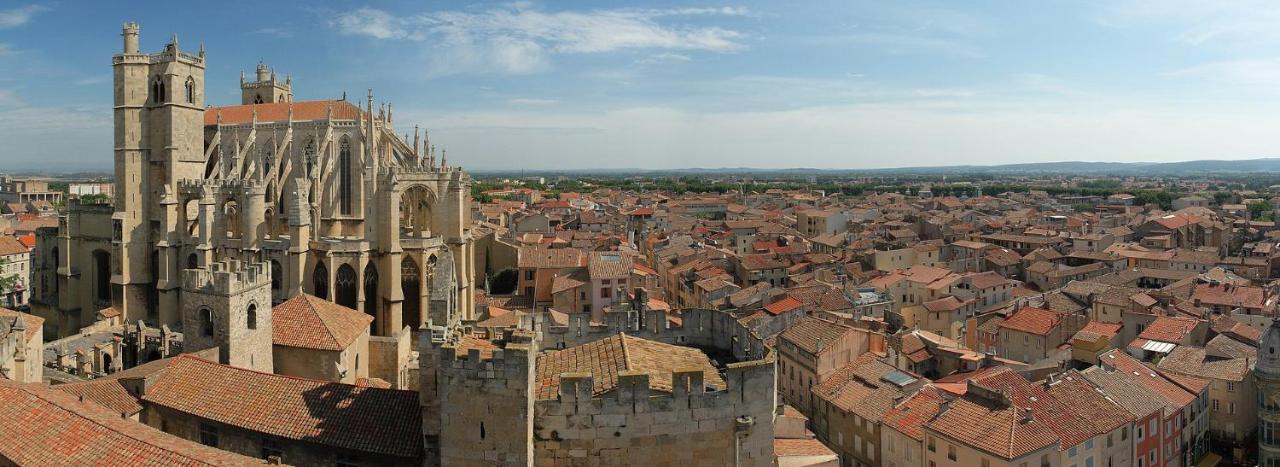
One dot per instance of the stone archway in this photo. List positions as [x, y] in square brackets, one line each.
[416, 203]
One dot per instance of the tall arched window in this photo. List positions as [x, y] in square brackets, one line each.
[191, 90]
[344, 177]
[320, 281]
[371, 295]
[252, 319]
[157, 90]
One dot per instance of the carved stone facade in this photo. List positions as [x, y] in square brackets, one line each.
[321, 197]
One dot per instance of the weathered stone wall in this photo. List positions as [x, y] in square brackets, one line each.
[702, 328]
[228, 290]
[483, 409]
[389, 358]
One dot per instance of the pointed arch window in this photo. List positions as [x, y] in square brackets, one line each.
[157, 90]
[191, 90]
[344, 177]
[257, 99]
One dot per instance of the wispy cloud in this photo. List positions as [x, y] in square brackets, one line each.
[15, 17]
[1258, 75]
[6, 49]
[532, 101]
[1194, 22]
[279, 32]
[664, 58]
[521, 40]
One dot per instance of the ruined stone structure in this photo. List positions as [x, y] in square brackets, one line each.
[226, 208]
[499, 410]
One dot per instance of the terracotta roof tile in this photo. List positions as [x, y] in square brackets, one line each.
[279, 112]
[310, 322]
[380, 421]
[607, 357]
[41, 426]
[1033, 320]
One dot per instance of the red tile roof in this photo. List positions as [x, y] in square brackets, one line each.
[1033, 321]
[910, 415]
[1168, 329]
[310, 322]
[41, 426]
[279, 112]
[380, 421]
[783, 305]
[783, 447]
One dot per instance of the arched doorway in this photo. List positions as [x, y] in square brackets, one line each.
[411, 287]
[345, 292]
[371, 295]
[102, 276]
[320, 281]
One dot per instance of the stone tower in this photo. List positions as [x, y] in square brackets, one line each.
[228, 305]
[1267, 374]
[159, 113]
[265, 89]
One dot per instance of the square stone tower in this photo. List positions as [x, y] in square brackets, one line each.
[159, 117]
[228, 306]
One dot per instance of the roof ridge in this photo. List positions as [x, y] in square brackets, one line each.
[626, 356]
[328, 327]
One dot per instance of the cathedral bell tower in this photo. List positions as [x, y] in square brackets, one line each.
[159, 140]
[266, 89]
[1266, 373]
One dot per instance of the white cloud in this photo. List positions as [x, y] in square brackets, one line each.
[15, 17]
[664, 58]
[6, 48]
[521, 39]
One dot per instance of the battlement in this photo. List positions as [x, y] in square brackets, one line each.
[226, 277]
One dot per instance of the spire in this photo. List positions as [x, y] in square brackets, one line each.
[415, 142]
[444, 159]
[241, 78]
[174, 42]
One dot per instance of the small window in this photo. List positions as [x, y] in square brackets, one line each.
[271, 448]
[206, 322]
[208, 435]
[347, 460]
[252, 317]
[951, 452]
[191, 91]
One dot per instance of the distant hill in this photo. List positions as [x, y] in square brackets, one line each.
[1067, 167]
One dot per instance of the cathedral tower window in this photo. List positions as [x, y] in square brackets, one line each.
[206, 322]
[252, 318]
[157, 90]
[344, 177]
[257, 99]
[191, 91]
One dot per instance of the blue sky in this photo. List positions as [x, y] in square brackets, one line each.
[573, 85]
